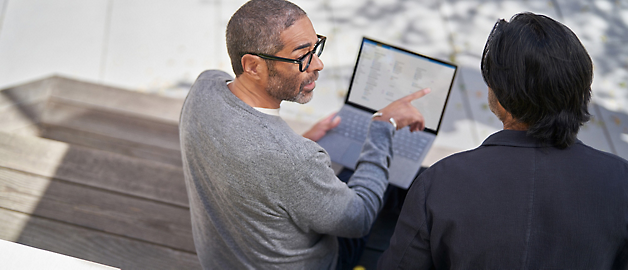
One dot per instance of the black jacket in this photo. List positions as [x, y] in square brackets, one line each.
[513, 203]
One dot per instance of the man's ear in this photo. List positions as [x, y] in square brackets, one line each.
[254, 66]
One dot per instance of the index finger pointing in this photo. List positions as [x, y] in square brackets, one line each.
[417, 94]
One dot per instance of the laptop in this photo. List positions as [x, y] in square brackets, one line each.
[384, 73]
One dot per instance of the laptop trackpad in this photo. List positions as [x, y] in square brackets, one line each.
[350, 157]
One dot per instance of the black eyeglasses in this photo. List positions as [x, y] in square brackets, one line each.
[303, 61]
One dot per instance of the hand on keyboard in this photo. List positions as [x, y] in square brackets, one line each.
[320, 129]
[403, 113]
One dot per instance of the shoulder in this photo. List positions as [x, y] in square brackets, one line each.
[210, 79]
[463, 158]
[297, 147]
[299, 156]
[598, 156]
[214, 75]
[470, 165]
[272, 140]
[292, 164]
[208, 84]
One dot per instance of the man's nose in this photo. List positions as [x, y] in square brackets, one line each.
[317, 63]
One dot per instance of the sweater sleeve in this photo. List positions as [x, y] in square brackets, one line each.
[324, 204]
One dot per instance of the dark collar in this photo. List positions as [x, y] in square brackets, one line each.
[512, 138]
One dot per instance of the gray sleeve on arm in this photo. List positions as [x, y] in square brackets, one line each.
[371, 175]
[326, 205]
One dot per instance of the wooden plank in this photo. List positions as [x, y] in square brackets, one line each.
[123, 127]
[96, 95]
[31, 130]
[92, 245]
[22, 106]
[98, 209]
[115, 172]
[102, 142]
[31, 154]
[28, 93]
[18, 116]
[117, 99]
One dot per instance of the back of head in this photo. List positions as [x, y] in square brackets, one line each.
[541, 74]
[256, 28]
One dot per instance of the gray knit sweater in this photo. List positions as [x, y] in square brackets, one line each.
[264, 197]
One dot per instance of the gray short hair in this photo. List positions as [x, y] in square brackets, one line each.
[256, 28]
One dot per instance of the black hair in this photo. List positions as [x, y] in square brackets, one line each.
[256, 27]
[541, 74]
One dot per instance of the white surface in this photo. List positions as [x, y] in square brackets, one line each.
[40, 38]
[162, 45]
[155, 45]
[471, 21]
[15, 256]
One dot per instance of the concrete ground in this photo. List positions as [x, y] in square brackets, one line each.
[160, 46]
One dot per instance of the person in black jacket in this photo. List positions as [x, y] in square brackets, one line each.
[532, 196]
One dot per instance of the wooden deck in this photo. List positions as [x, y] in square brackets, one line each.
[94, 172]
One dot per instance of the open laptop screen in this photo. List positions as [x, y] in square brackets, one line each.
[385, 73]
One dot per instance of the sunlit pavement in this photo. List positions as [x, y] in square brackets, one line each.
[160, 46]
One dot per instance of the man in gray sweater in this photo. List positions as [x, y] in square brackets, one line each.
[262, 196]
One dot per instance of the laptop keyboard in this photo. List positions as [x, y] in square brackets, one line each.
[415, 141]
[353, 126]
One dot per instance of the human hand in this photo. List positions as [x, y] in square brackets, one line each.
[320, 129]
[403, 113]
